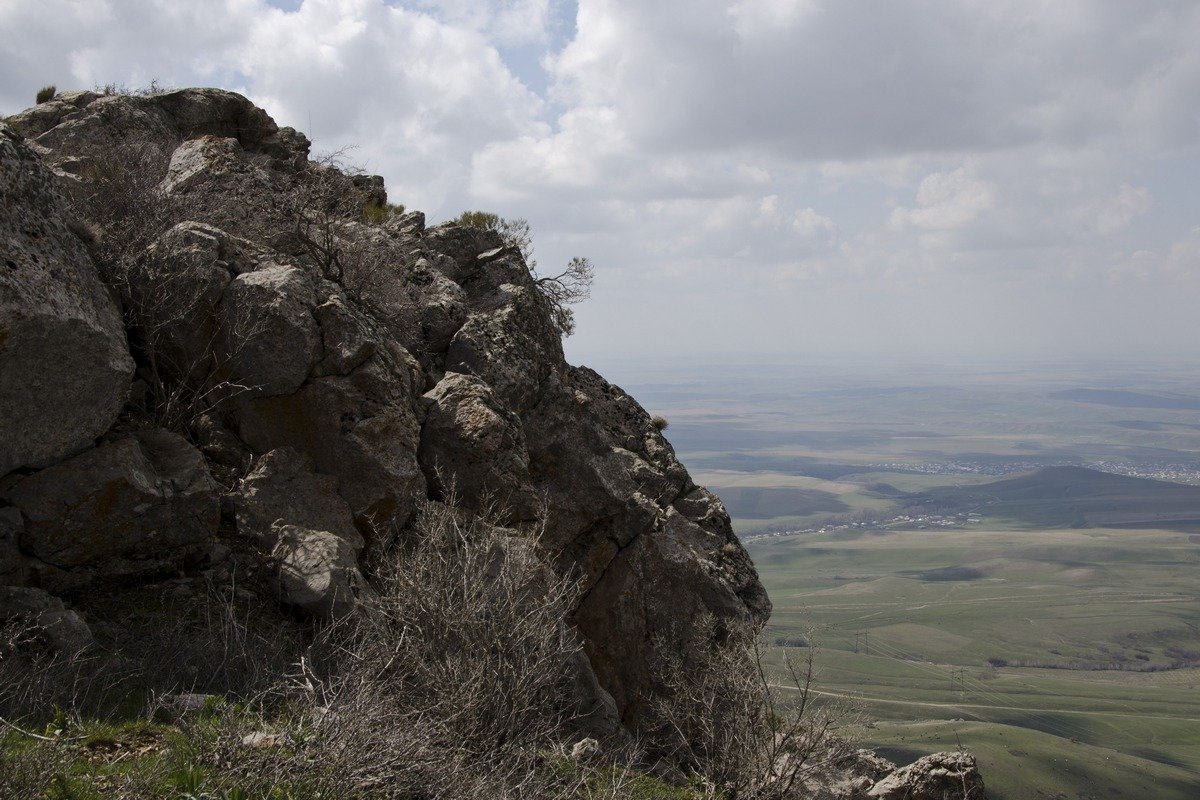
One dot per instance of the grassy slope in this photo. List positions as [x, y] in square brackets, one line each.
[1091, 596]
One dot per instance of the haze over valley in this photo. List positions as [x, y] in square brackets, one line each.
[999, 557]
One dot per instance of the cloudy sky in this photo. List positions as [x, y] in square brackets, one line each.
[930, 179]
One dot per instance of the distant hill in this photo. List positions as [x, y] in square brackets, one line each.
[1073, 496]
[1121, 399]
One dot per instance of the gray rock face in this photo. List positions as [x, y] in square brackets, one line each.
[134, 506]
[46, 617]
[269, 338]
[282, 489]
[941, 776]
[12, 565]
[360, 428]
[178, 293]
[474, 448]
[652, 547]
[318, 572]
[63, 356]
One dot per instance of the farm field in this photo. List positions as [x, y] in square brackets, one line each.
[1000, 560]
[1043, 631]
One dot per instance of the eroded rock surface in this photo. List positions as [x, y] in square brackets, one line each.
[138, 505]
[318, 572]
[941, 776]
[63, 359]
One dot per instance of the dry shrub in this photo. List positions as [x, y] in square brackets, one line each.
[457, 682]
[722, 718]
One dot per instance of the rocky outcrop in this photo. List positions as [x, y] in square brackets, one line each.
[63, 356]
[282, 489]
[941, 776]
[336, 374]
[137, 505]
[474, 448]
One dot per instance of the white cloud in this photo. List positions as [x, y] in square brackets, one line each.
[1115, 213]
[811, 225]
[506, 22]
[946, 201]
[755, 18]
[760, 162]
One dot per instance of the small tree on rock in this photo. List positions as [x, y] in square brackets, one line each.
[561, 291]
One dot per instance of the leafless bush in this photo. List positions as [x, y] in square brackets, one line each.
[26, 770]
[457, 682]
[725, 720]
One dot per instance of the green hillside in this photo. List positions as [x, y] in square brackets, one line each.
[1073, 497]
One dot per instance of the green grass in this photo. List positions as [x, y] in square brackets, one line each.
[1082, 598]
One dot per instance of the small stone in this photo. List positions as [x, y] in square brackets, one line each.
[585, 749]
[263, 740]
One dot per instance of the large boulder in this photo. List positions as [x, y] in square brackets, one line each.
[12, 564]
[318, 572]
[137, 505]
[269, 338]
[176, 294]
[473, 450]
[45, 617]
[941, 776]
[63, 354]
[652, 549]
[282, 489]
[360, 428]
[509, 342]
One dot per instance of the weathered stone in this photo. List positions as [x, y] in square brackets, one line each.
[264, 740]
[509, 343]
[218, 444]
[360, 428]
[318, 572]
[347, 341]
[137, 505]
[176, 293]
[200, 159]
[46, 617]
[36, 120]
[585, 749]
[63, 354]
[941, 776]
[180, 706]
[269, 338]
[282, 489]
[611, 486]
[473, 449]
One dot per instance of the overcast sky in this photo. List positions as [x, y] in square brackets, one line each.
[766, 178]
